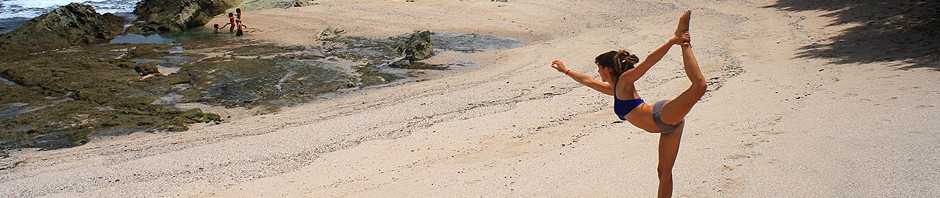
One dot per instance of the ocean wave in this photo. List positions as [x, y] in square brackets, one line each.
[34, 8]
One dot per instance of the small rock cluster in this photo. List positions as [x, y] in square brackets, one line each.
[416, 47]
[299, 3]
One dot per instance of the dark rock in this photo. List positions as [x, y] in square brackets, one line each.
[413, 48]
[162, 16]
[73, 94]
[69, 25]
[197, 116]
[416, 47]
[301, 3]
[146, 69]
[268, 4]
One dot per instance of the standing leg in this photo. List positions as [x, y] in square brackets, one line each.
[668, 150]
[675, 111]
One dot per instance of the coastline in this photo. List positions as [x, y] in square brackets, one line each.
[514, 127]
[198, 68]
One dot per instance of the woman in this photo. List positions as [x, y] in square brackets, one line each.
[619, 70]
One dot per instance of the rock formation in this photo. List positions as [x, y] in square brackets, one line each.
[162, 16]
[416, 47]
[69, 25]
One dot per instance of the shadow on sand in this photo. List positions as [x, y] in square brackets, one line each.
[904, 30]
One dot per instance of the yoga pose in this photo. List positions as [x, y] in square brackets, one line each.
[619, 70]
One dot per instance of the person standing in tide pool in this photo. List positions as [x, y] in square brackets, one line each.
[231, 23]
[240, 30]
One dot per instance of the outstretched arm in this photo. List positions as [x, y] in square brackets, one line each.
[584, 79]
[644, 66]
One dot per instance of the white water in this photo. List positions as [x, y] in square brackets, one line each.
[34, 8]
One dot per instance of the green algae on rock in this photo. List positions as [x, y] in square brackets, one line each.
[70, 25]
[253, 82]
[62, 98]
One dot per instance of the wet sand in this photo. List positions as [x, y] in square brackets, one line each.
[772, 124]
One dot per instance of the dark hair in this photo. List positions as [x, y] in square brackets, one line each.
[239, 10]
[617, 61]
[231, 14]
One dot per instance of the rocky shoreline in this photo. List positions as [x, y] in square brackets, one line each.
[61, 95]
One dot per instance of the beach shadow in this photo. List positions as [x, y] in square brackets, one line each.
[906, 31]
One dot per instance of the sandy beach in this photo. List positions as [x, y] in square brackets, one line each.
[775, 122]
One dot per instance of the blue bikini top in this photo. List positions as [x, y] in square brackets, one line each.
[623, 107]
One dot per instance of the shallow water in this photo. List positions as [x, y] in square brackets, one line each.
[140, 39]
[6, 81]
[12, 109]
[10, 24]
[471, 42]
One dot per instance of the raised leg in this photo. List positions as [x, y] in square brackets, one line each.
[668, 150]
[675, 111]
[683, 26]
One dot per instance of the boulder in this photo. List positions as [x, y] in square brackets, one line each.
[69, 25]
[416, 47]
[162, 16]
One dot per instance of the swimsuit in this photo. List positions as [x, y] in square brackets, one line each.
[624, 107]
[657, 117]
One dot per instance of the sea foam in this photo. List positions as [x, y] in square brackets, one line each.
[34, 8]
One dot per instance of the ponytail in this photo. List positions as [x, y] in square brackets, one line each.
[617, 61]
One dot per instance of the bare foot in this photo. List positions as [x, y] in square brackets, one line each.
[684, 23]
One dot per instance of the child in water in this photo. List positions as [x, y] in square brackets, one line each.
[231, 21]
[216, 28]
[239, 31]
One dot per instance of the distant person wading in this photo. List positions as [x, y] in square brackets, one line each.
[235, 24]
[619, 70]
